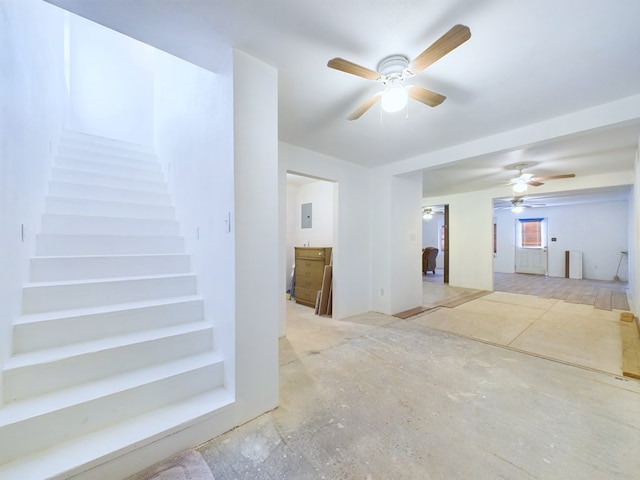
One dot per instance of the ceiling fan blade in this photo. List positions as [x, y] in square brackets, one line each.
[554, 177]
[425, 96]
[438, 49]
[364, 107]
[534, 183]
[352, 68]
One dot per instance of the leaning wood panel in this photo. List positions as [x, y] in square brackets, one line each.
[324, 292]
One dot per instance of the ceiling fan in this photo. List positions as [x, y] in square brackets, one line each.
[429, 212]
[393, 70]
[517, 204]
[523, 180]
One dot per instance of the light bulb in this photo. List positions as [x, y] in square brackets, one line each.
[519, 187]
[517, 209]
[394, 98]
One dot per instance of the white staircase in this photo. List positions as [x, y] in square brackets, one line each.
[112, 349]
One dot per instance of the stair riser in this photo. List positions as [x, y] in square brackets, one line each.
[18, 383]
[49, 298]
[101, 180]
[69, 245]
[72, 206]
[100, 165]
[53, 224]
[73, 139]
[44, 431]
[54, 269]
[131, 158]
[92, 192]
[68, 330]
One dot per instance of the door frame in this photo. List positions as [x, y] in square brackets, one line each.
[446, 243]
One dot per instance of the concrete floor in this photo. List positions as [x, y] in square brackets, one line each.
[377, 397]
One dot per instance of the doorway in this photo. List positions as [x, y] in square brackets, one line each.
[435, 235]
[310, 227]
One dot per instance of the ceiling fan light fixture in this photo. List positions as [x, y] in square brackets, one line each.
[520, 187]
[394, 98]
[517, 205]
[427, 213]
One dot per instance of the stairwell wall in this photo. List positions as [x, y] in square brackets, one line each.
[193, 114]
[33, 100]
[111, 83]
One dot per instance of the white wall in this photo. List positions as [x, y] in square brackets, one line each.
[396, 238]
[33, 98]
[193, 125]
[320, 195]
[405, 252]
[111, 83]
[259, 263]
[352, 220]
[598, 230]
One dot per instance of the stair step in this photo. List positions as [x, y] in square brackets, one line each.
[103, 180]
[107, 208]
[53, 224]
[111, 155]
[94, 142]
[52, 296]
[45, 421]
[94, 192]
[72, 245]
[64, 367]
[52, 269]
[67, 327]
[70, 457]
[111, 165]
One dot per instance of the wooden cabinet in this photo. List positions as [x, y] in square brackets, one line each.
[310, 263]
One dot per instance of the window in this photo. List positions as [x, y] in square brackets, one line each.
[531, 232]
[443, 231]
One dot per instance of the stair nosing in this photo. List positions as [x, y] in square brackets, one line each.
[105, 280]
[67, 134]
[31, 318]
[80, 155]
[111, 203]
[128, 190]
[132, 255]
[99, 174]
[111, 217]
[54, 354]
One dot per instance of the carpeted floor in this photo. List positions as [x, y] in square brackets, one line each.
[187, 465]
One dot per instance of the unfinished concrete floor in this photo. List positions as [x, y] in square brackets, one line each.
[377, 397]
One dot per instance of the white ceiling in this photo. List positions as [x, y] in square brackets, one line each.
[526, 62]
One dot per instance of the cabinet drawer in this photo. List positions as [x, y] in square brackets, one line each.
[312, 282]
[306, 296]
[309, 268]
[311, 253]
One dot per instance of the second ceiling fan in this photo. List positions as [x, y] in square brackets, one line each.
[520, 183]
[395, 69]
